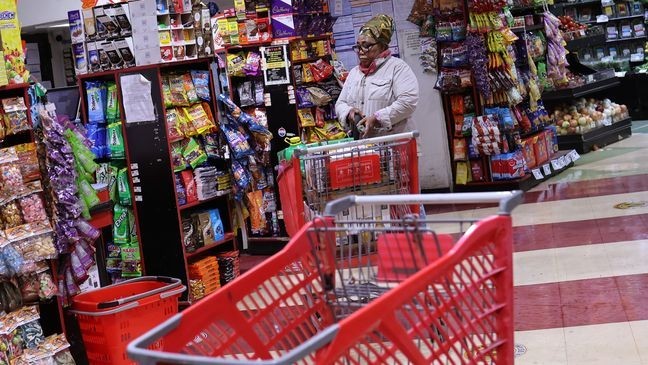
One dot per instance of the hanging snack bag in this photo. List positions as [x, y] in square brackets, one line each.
[132, 226]
[241, 175]
[95, 102]
[15, 114]
[116, 141]
[199, 119]
[252, 64]
[96, 134]
[113, 171]
[245, 94]
[189, 184]
[121, 225]
[258, 222]
[32, 208]
[181, 193]
[166, 92]
[131, 264]
[179, 95]
[123, 188]
[112, 102]
[236, 140]
[212, 146]
[173, 125]
[194, 154]
[87, 193]
[201, 83]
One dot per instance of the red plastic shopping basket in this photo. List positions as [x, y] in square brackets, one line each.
[110, 317]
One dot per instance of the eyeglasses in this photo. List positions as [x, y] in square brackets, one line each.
[363, 47]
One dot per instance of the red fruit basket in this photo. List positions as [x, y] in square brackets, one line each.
[110, 317]
[405, 290]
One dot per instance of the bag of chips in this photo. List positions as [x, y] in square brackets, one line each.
[174, 133]
[235, 64]
[178, 90]
[201, 83]
[194, 154]
[199, 119]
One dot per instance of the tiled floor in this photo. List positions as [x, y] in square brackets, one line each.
[581, 260]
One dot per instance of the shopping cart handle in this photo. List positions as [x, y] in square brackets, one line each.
[361, 142]
[138, 349]
[507, 200]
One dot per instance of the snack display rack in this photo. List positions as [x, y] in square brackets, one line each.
[152, 178]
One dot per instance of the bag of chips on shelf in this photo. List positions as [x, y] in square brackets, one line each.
[177, 160]
[201, 83]
[178, 90]
[190, 89]
[235, 64]
[194, 154]
[199, 119]
[174, 133]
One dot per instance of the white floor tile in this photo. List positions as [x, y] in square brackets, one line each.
[640, 333]
[542, 347]
[606, 344]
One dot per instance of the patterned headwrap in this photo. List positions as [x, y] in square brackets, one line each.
[380, 28]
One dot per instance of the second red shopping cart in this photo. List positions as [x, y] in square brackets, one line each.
[432, 292]
[317, 175]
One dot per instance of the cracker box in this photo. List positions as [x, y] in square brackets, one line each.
[529, 153]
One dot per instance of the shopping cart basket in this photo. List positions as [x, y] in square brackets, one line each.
[112, 316]
[437, 291]
[373, 166]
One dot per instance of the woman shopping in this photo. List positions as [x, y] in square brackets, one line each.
[382, 91]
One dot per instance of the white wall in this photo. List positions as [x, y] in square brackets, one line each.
[35, 12]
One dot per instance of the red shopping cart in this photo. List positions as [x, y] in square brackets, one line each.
[436, 291]
[317, 175]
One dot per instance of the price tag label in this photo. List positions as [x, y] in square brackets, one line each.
[565, 161]
[574, 155]
[556, 164]
[537, 174]
[547, 169]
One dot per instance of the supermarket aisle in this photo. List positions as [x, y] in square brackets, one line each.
[581, 261]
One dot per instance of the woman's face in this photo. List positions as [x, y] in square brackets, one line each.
[368, 49]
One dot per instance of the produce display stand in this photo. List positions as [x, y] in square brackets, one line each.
[600, 137]
[577, 92]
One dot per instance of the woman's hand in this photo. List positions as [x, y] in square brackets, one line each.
[352, 114]
[368, 123]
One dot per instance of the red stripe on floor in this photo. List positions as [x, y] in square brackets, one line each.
[568, 190]
[579, 233]
[581, 302]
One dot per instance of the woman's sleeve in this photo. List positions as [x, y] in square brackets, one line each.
[342, 106]
[406, 92]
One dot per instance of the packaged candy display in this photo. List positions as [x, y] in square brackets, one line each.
[14, 113]
[32, 208]
[206, 276]
[229, 266]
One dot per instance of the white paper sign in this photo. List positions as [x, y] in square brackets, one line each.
[137, 99]
[537, 174]
[556, 164]
[564, 161]
[547, 169]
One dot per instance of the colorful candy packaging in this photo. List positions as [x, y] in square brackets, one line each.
[174, 132]
[96, 134]
[95, 102]
[116, 141]
[178, 90]
[181, 193]
[112, 103]
[121, 226]
[123, 188]
[199, 119]
[130, 255]
[189, 185]
[187, 82]
[194, 154]
[177, 160]
[113, 172]
[132, 226]
[236, 140]
[87, 193]
[201, 83]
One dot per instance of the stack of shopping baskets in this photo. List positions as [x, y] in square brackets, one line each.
[432, 292]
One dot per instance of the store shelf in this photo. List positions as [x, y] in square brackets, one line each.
[602, 136]
[585, 42]
[114, 73]
[525, 183]
[528, 28]
[615, 19]
[268, 239]
[228, 238]
[309, 60]
[566, 94]
[201, 202]
[578, 3]
[521, 9]
[13, 87]
[625, 39]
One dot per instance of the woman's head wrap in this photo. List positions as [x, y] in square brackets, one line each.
[380, 28]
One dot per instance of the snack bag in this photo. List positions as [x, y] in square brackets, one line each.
[178, 91]
[116, 141]
[112, 103]
[123, 188]
[132, 226]
[113, 172]
[186, 125]
[181, 193]
[258, 222]
[174, 133]
[166, 92]
[199, 118]
[235, 64]
[130, 256]
[194, 154]
[217, 224]
[236, 140]
[201, 83]
[95, 103]
[306, 118]
[121, 225]
[192, 96]
[177, 160]
[189, 186]
[87, 193]
[96, 134]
